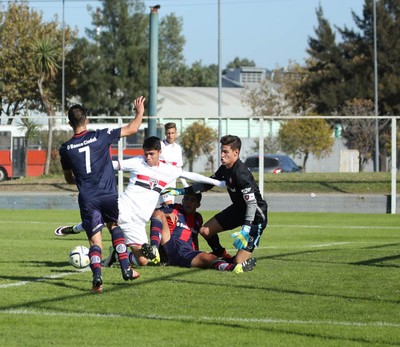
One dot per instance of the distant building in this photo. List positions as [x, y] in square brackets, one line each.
[185, 105]
[245, 75]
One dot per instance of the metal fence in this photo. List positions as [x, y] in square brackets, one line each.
[300, 200]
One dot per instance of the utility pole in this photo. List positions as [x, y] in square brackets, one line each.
[63, 61]
[219, 84]
[376, 93]
[153, 71]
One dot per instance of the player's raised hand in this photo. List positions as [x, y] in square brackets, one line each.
[138, 104]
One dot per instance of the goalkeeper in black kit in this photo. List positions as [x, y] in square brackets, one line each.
[248, 209]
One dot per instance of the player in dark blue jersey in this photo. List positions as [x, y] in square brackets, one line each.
[175, 227]
[86, 161]
[248, 209]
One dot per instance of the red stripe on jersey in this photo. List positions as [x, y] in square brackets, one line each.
[81, 134]
[190, 222]
[148, 178]
[174, 163]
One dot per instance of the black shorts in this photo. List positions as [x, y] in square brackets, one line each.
[179, 253]
[233, 217]
[96, 212]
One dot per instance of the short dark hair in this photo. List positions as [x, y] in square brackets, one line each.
[169, 125]
[76, 116]
[231, 140]
[152, 142]
[198, 196]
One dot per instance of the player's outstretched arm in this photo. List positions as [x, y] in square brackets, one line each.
[126, 164]
[203, 184]
[202, 179]
[134, 124]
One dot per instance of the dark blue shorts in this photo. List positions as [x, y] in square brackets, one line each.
[98, 211]
[179, 253]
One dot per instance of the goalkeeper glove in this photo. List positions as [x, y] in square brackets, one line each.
[174, 191]
[242, 237]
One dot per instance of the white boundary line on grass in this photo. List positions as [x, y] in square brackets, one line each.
[65, 274]
[269, 225]
[333, 226]
[41, 279]
[196, 319]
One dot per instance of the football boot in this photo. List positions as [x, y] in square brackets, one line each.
[65, 230]
[151, 253]
[129, 274]
[245, 266]
[97, 286]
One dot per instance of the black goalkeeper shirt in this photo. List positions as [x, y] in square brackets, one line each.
[241, 187]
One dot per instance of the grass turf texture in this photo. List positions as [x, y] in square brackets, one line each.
[320, 280]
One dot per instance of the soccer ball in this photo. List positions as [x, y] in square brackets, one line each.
[79, 257]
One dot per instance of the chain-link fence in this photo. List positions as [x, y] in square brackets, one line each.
[336, 182]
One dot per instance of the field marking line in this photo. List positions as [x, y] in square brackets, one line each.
[65, 274]
[196, 319]
[269, 225]
[320, 245]
[32, 222]
[328, 244]
[334, 226]
[42, 279]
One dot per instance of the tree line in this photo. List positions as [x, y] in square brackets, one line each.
[338, 78]
[105, 70]
[108, 67]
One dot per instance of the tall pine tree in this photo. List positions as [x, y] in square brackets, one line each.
[115, 67]
[323, 86]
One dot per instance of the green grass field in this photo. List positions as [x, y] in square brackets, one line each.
[321, 280]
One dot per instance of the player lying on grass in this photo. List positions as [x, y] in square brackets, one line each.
[248, 210]
[148, 177]
[175, 227]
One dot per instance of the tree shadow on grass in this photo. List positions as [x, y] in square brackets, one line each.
[263, 324]
[376, 261]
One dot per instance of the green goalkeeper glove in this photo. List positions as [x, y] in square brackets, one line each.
[174, 191]
[241, 237]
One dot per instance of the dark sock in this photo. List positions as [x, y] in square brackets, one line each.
[222, 265]
[216, 247]
[132, 259]
[95, 260]
[155, 232]
[118, 242]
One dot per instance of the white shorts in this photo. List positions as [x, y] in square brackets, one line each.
[132, 223]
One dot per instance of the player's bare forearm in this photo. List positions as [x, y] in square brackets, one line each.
[134, 124]
[69, 177]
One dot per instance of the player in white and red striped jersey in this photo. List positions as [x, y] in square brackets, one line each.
[148, 177]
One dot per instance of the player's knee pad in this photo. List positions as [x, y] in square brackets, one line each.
[95, 254]
[120, 248]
